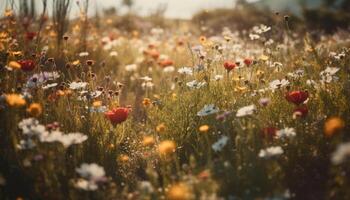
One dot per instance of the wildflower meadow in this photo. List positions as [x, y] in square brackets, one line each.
[122, 106]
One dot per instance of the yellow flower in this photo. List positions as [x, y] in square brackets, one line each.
[161, 128]
[76, 63]
[260, 74]
[263, 57]
[204, 128]
[237, 78]
[174, 96]
[16, 53]
[333, 125]
[166, 147]
[14, 65]
[15, 100]
[148, 141]
[35, 109]
[240, 89]
[179, 191]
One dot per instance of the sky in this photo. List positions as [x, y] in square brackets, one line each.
[175, 8]
[184, 9]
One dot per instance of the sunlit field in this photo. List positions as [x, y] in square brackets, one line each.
[235, 103]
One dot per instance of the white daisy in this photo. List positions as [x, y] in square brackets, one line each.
[218, 77]
[169, 69]
[131, 67]
[271, 152]
[84, 54]
[91, 171]
[328, 75]
[146, 78]
[286, 133]
[277, 84]
[113, 54]
[195, 84]
[341, 153]
[185, 71]
[247, 110]
[77, 85]
[91, 174]
[45, 87]
[220, 144]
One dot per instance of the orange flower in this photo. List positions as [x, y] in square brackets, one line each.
[166, 148]
[123, 158]
[148, 141]
[179, 191]
[97, 104]
[35, 109]
[161, 128]
[14, 65]
[15, 100]
[166, 63]
[204, 128]
[333, 125]
[205, 174]
[146, 102]
[202, 39]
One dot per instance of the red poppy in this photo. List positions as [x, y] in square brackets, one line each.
[300, 112]
[166, 63]
[117, 115]
[229, 65]
[27, 65]
[30, 35]
[269, 132]
[248, 61]
[297, 97]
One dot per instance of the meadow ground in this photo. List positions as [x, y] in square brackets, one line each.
[172, 113]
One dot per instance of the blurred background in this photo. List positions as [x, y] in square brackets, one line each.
[325, 15]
